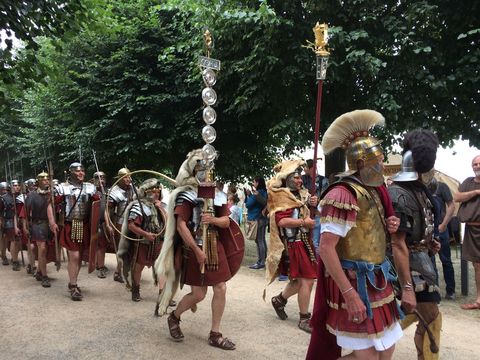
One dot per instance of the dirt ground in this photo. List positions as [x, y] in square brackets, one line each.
[40, 323]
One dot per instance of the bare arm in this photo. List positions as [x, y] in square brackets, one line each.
[295, 223]
[355, 306]
[465, 196]
[139, 231]
[402, 264]
[51, 218]
[221, 222]
[448, 216]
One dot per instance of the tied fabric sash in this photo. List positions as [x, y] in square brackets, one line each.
[366, 271]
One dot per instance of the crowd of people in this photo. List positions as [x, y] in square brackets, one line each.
[370, 248]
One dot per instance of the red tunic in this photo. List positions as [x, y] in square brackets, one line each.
[300, 265]
[192, 274]
[326, 314]
[146, 253]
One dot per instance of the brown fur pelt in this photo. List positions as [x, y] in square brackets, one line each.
[280, 198]
[165, 263]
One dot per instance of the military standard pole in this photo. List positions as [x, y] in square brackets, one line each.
[322, 54]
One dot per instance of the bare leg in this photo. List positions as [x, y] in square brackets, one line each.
[137, 273]
[198, 294]
[218, 305]
[304, 291]
[370, 354]
[291, 289]
[73, 266]
[3, 245]
[100, 258]
[42, 257]
[476, 266]
[14, 247]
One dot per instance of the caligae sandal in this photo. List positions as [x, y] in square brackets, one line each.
[75, 293]
[278, 303]
[174, 327]
[217, 340]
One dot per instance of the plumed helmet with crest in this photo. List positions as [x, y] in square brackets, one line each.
[351, 132]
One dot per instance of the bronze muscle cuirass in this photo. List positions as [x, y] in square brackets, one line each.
[367, 240]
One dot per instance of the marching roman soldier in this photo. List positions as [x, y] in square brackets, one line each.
[75, 197]
[97, 228]
[291, 251]
[12, 208]
[3, 240]
[209, 257]
[36, 211]
[142, 233]
[355, 305]
[413, 244]
[119, 196]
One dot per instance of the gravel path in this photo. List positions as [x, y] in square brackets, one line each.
[43, 323]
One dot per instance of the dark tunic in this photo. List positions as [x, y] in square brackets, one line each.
[192, 273]
[36, 205]
[471, 241]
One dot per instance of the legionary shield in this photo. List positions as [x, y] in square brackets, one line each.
[234, 245]
[94, 234]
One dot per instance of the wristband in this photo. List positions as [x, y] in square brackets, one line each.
[408, 286]
[345, 291]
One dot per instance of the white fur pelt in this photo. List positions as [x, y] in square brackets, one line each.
[164, 265]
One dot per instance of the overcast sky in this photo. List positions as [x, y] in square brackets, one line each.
[455, 161]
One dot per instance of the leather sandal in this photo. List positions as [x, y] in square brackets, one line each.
[304, 323]
[15, 266]
[174, 327]
[46, 282]
[38, 275]
[216, 339]
[118, 277]
[75, 292]
[278, 303]
[5, 261]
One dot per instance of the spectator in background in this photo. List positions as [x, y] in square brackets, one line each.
[256, 200]
[235, 210]
[443, 196]
[321, 183]
[469, 195]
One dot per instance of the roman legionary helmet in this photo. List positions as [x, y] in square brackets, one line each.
[122, 172]
[419, 155]
[75, 166]
[350, 132]
[148, 186]
[42, 176]
[4, 185]
[99, 174]
[14, 182]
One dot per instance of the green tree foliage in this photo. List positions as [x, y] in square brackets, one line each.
[130, 85]
[24, 21]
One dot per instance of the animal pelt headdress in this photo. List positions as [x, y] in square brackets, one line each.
[423, 144]
[164, 265]
[280, 198]
[124, 257]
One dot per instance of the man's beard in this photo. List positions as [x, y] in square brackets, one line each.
[477, 173]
